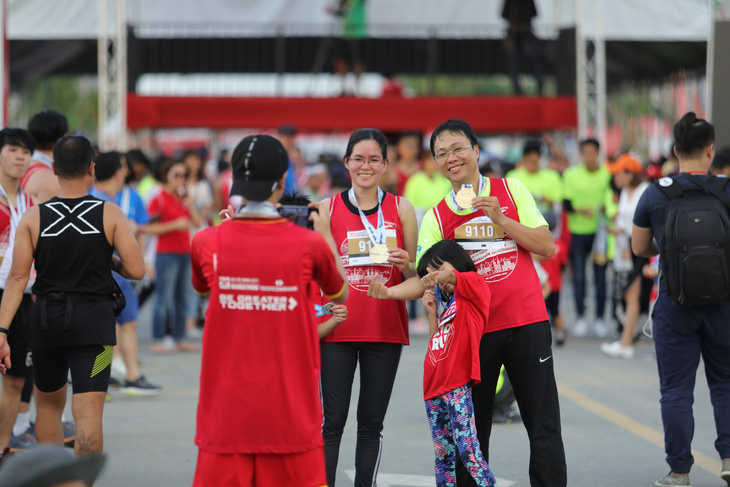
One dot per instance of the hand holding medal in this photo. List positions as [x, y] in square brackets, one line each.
[339, 313]
[399, 258]
[490, 206]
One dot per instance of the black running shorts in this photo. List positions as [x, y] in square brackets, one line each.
[90, 366]
[19, 339]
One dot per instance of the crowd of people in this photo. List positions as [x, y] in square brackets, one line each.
[393, 223]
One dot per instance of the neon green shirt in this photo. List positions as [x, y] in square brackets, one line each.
[585, 190]
[544, 185]
[146, 186]
[425, 192]
[527, 210]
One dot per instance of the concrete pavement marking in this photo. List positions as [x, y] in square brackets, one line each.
[632, 426]
[402, 480]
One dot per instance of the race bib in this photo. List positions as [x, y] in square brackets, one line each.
[494, 252]
[359, 245]
[478, 235]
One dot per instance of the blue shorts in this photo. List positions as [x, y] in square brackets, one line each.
[131, 310]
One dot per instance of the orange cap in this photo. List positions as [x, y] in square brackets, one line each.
[628, 163]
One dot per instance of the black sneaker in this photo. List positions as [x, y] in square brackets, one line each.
[140, 387]
[114, 382]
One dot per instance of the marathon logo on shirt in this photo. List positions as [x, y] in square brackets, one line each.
[440, 344]
[253, 284]
[493, 251]
[256, 302]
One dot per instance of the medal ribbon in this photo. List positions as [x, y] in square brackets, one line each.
[265, 208]
[482, 187]
[442, 315]
[376, 235]
[17, 212]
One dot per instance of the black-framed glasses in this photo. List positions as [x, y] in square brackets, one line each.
[375, 162]
[457, 151]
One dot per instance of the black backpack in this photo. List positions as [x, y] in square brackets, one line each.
[695, 244]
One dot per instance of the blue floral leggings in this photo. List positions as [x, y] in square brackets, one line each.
[451, 418]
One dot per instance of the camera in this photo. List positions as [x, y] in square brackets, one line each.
[297, 214]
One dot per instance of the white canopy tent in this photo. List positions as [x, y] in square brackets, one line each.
[596, 21]
[657, 20]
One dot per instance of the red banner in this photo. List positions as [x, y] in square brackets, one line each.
[485, 114]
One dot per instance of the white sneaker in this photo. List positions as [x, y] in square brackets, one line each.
[601, 328]
[616, 350]
[580, 328]
[195, 333]
[119, 368]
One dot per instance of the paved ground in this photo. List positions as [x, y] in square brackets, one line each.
[610, 416]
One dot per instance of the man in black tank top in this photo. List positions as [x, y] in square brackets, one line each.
[72, 238]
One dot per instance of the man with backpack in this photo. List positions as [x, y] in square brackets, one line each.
[687, 220]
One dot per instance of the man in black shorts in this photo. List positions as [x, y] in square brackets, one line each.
[72, 238]
[16, 147]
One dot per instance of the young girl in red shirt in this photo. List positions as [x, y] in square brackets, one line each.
[457, 301]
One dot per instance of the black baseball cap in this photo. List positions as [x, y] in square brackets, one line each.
[47, 465]
[258, 162]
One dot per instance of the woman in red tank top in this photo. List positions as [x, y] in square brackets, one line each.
[366, 221]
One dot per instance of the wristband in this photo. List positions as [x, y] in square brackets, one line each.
[4, 330]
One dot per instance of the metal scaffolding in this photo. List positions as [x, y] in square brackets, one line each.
[4, 65]
[112, 71]
[590, 71]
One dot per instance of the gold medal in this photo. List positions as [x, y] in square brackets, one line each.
[379, 253]
[464, 197]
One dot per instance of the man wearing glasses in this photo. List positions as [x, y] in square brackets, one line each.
[499, 225]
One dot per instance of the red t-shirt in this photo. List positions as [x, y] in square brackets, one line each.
[259, 381]
[166, 207]
[554, 265]
[452, 357]
[368, 319]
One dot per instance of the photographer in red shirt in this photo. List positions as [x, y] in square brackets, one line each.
[260, 415]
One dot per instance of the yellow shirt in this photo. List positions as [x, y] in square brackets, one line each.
[585, 190]
[544, 185]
